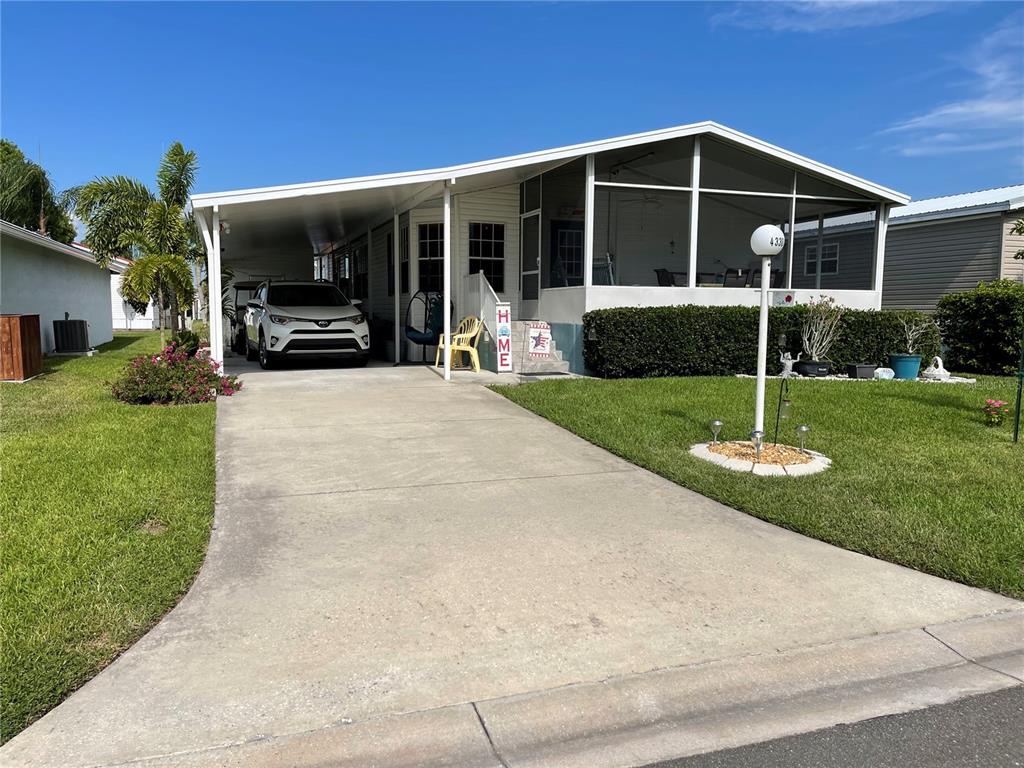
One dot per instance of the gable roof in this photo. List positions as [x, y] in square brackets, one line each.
[29, 236]
[546, 158]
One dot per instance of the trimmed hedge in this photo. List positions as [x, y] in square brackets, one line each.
[982, 327]
[694, 340]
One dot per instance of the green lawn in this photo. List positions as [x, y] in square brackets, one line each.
[106, 511]
[917, 479]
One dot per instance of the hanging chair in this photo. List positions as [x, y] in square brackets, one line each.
[429, 335]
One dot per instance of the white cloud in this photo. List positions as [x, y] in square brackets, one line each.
[990, 116]
[823, 15]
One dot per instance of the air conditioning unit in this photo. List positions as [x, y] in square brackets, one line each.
[70, 335]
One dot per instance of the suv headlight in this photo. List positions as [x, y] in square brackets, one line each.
[356, 319]
[281, 319]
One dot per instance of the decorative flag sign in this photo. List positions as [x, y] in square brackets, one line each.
[503, 336]
[540, 339]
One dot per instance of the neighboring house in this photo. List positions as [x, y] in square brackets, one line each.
[656, 218]
[125, 316]
[936, 246]
[40, 276]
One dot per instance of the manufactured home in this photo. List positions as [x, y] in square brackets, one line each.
[656, 218]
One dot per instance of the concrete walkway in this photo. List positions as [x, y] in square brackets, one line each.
[408, 572]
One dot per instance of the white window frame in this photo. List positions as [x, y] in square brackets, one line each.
[810, 257]
[470, 258]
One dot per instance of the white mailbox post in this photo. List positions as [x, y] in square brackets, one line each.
[766, 242]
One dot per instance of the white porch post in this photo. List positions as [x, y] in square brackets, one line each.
[791, 235]
[447, 292]
[588, 226]
[691, 269]
[397, 285]
[213, 280]
[817, 255]
[881, 229]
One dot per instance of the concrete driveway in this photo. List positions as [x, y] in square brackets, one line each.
[409, 572]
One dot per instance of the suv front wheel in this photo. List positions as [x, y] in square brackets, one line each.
[265, 355]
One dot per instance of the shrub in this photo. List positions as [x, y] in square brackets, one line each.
[982, 327]
[694, 340]
[172, 377]
[186, 341]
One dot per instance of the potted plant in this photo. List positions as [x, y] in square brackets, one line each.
[907, 365]
[818, 333]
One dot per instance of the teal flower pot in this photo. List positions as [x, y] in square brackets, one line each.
[905, 367]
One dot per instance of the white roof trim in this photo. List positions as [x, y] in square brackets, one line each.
[34, 237]
[260, 194]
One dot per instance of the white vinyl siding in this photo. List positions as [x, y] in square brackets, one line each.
[493, 206]
[1012, 269]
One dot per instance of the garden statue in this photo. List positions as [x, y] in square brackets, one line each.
[788, 361]
[936, 370]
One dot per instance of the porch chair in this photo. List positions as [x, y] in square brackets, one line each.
[668, 278]
[465, 338]
[734, 278]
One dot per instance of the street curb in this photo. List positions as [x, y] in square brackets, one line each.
[667, 713]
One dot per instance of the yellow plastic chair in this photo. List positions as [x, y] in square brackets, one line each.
[465, 338]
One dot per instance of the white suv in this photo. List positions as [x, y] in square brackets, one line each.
[296, 318]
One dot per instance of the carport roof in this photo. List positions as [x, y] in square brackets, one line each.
[525, 165]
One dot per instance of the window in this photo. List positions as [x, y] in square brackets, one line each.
[403, 258]
[829, 259]
[361, 273]
[569, 252]
[431, 257]
[487, 253]
[306, 295]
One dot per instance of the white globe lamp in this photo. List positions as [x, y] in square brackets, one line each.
[766, 242]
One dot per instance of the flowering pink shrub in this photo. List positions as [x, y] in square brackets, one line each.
[172, 377]
[995, 411]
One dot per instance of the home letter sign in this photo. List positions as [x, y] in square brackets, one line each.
[503, 336]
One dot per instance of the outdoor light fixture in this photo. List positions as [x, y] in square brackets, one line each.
[802, 431]
[716, 427]
[757, 438]
[766, 242]
[784, 409]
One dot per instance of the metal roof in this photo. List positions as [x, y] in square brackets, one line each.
[541, 158]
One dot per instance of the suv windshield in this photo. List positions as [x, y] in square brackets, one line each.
[325, 295]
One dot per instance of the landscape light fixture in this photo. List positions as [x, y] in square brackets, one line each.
[716, 427]
[757, 438]
[802, 431]
[766, 242]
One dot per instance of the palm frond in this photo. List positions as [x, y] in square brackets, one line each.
[177, 174]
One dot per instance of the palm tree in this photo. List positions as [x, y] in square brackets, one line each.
[28, 198]
[124, 219]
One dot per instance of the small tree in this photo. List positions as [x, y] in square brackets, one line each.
[820, 328]
[157, 276]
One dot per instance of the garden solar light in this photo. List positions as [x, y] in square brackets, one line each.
[802, 431]
[757, 438]
[716, 427]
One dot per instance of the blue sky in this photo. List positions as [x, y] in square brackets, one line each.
[927, 98]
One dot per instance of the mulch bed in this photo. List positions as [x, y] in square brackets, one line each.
[770, 453]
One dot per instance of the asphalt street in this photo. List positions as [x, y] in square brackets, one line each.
[985, 731]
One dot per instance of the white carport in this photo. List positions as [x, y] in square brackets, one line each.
[257, 227]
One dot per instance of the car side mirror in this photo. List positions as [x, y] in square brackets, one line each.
[357, 302]
[254, 304]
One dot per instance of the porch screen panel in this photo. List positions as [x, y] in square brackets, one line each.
[725, 223]
[563, 204]
[847, 243]
[641, 236]
[725, 166]
[662, 163]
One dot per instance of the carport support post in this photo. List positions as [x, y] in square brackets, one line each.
[447, 280]
[395, 247]
[214, 288]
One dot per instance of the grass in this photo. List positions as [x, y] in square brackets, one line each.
[105, 511]
[918, 479]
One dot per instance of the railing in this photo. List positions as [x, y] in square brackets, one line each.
[481, 299]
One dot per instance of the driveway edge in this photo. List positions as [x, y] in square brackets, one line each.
[667, 713]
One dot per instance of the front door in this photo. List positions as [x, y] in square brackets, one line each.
[529, 265]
